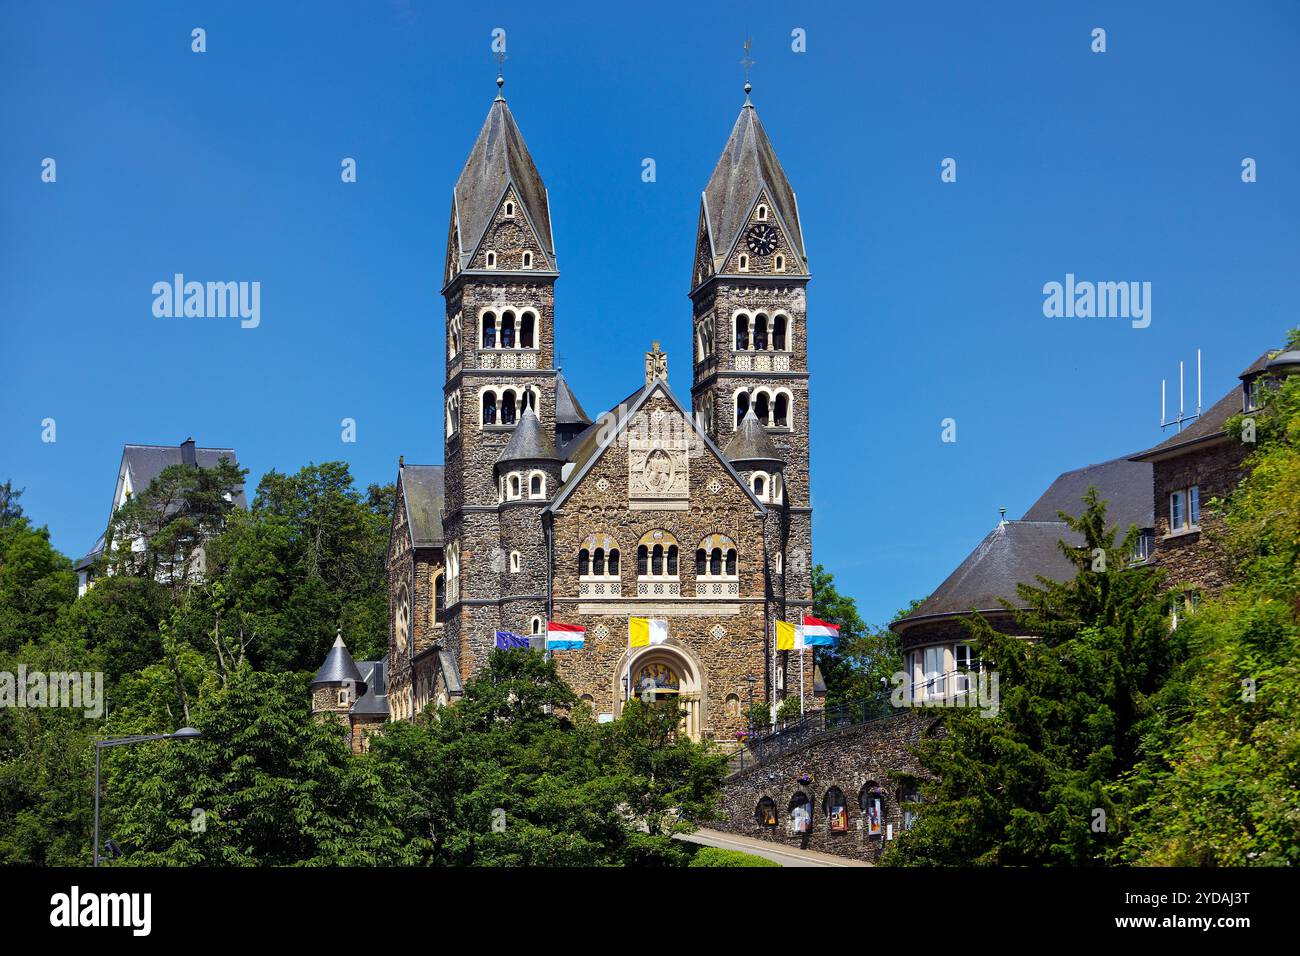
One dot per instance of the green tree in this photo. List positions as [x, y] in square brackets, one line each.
[1223, 762]
[36, 582]
[1031, 785]
[307, 559]
[865, 659]
[266, 786]
[516, 775]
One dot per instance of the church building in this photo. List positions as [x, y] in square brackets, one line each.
[695, 513]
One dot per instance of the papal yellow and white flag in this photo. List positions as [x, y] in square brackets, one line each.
[644, 631]
[788, 637]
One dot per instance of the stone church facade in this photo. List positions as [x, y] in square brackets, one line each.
[695, 514]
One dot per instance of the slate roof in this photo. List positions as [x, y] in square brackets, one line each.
[146, 462]
[499, 158]
[339, 667]
[1014, 552]
[89, 557]
[750, 443]
[568, 411]
[1207, 428]
[422, 491]
[747, 167]
[529, 441]
[1285, 362]
[375, 699]
[1124, 484]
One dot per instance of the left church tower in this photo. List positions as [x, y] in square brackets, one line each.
[499, 287]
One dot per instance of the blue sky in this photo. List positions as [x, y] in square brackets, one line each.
[926, 299]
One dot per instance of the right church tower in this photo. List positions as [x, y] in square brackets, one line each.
[748, 291]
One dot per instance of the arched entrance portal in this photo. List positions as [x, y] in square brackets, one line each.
[671, 676]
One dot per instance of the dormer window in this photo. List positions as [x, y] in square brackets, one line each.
[1254, 392]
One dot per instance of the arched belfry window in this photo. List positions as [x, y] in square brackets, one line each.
[742, 333]
[761, 406]
[657, 555]
[507, 330]
[779, 331]
[527, 330]
[716, 557]
[508, 407]
[598, 557]
[760, 333]
[781, 412]
[489, 408]
[489, 330]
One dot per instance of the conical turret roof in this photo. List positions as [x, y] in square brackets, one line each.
[567, 409]
[339, 667]
[751, 443]
[530, 442]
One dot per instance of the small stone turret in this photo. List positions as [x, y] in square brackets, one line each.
[337, 685]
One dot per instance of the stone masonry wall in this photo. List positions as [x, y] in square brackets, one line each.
[857, 760]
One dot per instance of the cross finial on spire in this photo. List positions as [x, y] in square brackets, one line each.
[747, 62]
[500, 57]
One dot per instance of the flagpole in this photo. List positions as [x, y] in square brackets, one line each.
[800, 680]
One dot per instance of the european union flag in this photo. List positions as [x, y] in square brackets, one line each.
[508, 641]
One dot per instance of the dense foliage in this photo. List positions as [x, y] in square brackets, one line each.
[1120, 740]
[517, 773]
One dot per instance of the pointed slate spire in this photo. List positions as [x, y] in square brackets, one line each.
[751, 444]
[748, 167]
[339, 668]
[499, 159]
[567, 409]
[530, 442]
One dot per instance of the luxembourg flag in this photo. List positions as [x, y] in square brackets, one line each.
[818, 633]
[564, 637]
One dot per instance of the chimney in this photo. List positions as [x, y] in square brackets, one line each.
[188, 457]
[656, 365]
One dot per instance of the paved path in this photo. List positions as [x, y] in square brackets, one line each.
[776, 852]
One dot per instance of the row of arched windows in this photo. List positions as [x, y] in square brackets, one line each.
[658, 556]
[872, 802]
[504, 406]
[759, 333]
[773, 409]
[505, 330]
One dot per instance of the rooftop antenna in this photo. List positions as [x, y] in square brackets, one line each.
[1183, 415]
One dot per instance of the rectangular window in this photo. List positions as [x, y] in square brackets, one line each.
[934, 673]
[1194, 506]
[1142, 547]
[1176, 514]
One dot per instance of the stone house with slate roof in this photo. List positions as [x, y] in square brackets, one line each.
[1161, 491]
[698, 514]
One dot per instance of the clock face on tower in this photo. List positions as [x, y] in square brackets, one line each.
[762, 239]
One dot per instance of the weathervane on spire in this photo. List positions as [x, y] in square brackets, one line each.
[500, 57]
[747, 62]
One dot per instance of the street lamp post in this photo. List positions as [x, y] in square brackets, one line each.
[185, 733]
